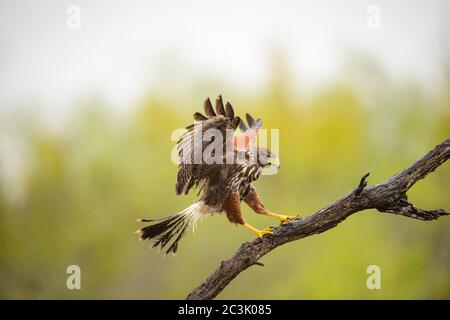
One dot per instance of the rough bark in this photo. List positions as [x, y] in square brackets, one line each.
[388, 196]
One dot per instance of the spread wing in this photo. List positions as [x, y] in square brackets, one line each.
[194, 171]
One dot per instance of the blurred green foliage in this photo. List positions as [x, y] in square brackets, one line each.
[84, 187]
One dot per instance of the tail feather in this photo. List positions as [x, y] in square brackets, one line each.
[174, 227]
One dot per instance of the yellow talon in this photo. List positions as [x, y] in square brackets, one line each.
[264, 231]
[282, 217]
[259, 233]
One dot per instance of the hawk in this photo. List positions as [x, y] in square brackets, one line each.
[222, 166]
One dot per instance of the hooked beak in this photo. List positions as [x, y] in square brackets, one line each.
[274, 161]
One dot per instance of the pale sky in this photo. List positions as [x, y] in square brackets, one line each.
[121, 45]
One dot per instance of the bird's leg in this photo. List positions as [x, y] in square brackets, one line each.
[232, 208]
[253, 200]
[281, 217]
[259, 233]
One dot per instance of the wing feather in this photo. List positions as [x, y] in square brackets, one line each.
[250, 120]
[199, 117]
[207, 106]
[220, 110]
[229, 112]
[193, 171]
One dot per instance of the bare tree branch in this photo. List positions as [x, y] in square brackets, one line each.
[389, 196]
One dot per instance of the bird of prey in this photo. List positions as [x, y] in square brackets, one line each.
[222, 166]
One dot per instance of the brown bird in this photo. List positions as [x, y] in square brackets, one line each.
[222, 167]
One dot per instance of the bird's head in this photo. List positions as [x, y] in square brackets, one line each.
[246, 143]
[265, 158]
